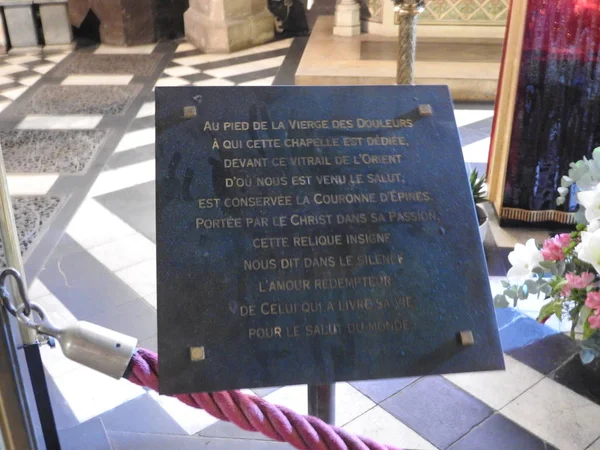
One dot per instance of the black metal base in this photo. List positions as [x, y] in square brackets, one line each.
[321, 402]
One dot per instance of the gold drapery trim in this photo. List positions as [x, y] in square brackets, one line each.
[506, 99]
[538, 216]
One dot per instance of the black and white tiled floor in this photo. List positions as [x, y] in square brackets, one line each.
[96, 261]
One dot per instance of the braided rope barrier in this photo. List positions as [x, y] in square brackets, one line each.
[253, 413]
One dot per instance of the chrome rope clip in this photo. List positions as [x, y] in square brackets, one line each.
[5, 294]
[93, 346]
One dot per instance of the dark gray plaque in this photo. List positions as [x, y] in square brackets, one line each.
[313, 235]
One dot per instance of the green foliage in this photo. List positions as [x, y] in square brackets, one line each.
[584, 315]
[500, 301]
[547, 310]
[532, 287]
[478, 187]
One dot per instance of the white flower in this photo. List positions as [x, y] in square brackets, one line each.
[524, 258]
[566, 182]
[589, 248]
[577, 170]
[594, 225]
[590, 200]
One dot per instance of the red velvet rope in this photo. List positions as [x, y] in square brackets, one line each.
[253, 413]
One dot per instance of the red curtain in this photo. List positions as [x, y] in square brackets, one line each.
[557, 116]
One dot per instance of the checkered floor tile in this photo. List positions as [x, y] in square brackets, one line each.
[256, 66]
[19, 72]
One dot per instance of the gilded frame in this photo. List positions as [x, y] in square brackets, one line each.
[505, 103]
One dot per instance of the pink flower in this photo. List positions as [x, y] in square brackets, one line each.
[577, 282]
[553, 247]
[595, 320]
[592, 300]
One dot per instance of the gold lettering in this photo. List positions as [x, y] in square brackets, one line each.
[211, 224]
[395, 326]
[330, 329]
[264, 333]
[274, 242]
[260, 264]
[367, 238]
[312, 142]
[412, 216]
[299, 220]
[308, 124]
[318, 241]
[368, 159]
[384, 123]
[255, 202]
[242, 163]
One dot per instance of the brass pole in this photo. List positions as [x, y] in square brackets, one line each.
[11, 244]
[16, 423]
[406, 18]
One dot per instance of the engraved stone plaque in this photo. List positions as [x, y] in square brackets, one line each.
[307, 235]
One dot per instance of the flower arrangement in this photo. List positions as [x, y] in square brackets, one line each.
[565, 270]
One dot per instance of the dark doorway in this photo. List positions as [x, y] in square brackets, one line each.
[88, 32]
[169, 18]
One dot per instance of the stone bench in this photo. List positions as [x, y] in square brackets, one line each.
[20, 27]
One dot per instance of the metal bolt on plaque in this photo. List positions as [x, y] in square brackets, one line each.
[425, 110]
[466, 338]
[189, 112]
[197, 354]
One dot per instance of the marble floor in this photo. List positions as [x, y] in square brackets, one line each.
[93, 258]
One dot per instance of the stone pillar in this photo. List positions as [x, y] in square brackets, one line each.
[22, 29]
[3, 35]
[55, 22]
[347, 18]
[223, 26]
[125, 22]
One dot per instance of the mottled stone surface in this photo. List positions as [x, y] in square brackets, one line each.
[139, 18]
[122, 22]
[50, 151]
[216, 26]
[88, 63]
[32, 215]
[81, 100]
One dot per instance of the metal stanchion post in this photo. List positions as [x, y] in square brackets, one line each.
[321, 402]
[16, 422]
[406, 19]
[12, 248]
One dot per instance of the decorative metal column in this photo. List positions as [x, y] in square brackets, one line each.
[406, 18]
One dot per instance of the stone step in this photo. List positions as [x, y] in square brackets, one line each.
[90, 435]
[127, 441]
[141, 415]
[471, 69]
